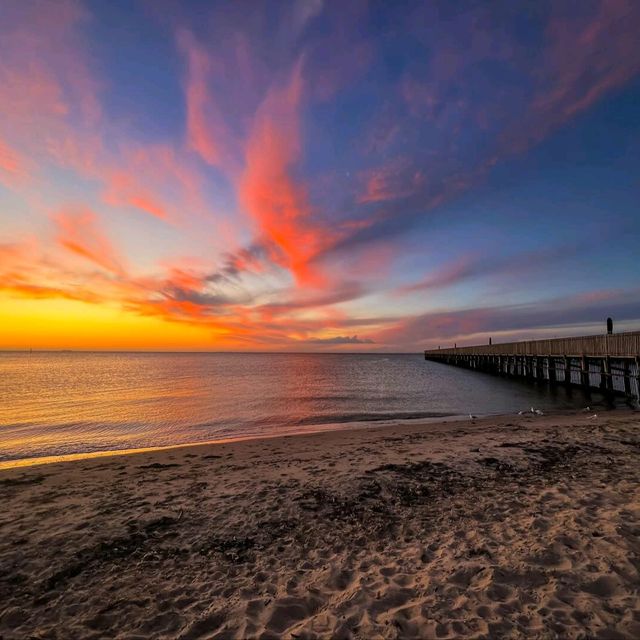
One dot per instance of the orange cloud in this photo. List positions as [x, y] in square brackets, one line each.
[269, 190]
[181, 295]
[79, 233]
[26, 272]
[123, 189]
[34, 291]
[153, 178]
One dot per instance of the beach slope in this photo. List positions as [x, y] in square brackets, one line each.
[497, 527]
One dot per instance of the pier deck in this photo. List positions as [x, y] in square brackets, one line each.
[609, 363]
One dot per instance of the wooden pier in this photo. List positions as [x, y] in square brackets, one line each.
[608, 363]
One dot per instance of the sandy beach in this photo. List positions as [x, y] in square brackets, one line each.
[507, 527]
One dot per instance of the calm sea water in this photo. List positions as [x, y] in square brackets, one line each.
[65, 403]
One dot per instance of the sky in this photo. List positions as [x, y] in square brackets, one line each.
[317, 175]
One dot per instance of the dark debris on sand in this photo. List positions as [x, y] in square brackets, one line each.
[22, 481]
[374, 507]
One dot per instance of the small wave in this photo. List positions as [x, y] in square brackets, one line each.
[365, 417]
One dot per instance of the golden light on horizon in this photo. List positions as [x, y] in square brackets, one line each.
[70, 324]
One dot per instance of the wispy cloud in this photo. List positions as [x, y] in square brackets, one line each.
[207, 133]
[341, 340]
[269, 189]
[540, 316]
[13, 167]
[490, 264]
[79, 233]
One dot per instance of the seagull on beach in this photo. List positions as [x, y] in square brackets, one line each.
[471, 417]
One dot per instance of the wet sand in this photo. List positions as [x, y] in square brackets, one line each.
[508, 527]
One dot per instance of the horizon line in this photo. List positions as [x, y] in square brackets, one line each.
[63, 350]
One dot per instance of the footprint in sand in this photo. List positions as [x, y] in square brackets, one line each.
[339, 580]
[289, 611]
[605, 586]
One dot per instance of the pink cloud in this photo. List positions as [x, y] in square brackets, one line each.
[45, 77]
[123, 189]
[206, 130]
[585, 57]
[78, 231]
[13, 166]
[392, 181]
[269, 189]
[563, 315]
[451, 274]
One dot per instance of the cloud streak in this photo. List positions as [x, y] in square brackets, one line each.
[78, 232]
[270, 191]
[206, 130]
[341, 340]
[558, 316]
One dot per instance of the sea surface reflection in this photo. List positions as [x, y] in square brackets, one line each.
[62, 403]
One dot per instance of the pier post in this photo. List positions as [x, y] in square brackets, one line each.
[584, 372]
[608, 382]
[539, 369]
[627, 378]
[567, 370]
[528, 367]
[551, 368]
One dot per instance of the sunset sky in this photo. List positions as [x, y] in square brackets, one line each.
[314, 175]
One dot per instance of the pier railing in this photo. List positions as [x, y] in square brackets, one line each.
[609, 362]
[623, 345]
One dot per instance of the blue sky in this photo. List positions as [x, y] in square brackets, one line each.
[317, 174]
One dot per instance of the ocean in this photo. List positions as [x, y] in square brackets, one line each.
[61, 403]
